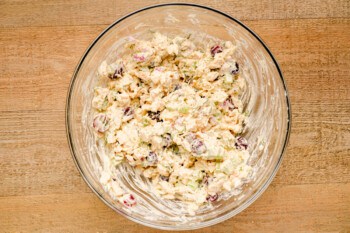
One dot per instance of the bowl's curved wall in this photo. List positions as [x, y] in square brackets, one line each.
[266, 100]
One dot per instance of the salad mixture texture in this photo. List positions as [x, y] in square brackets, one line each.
[172, 110]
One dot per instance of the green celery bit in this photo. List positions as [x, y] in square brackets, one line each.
[193, 184]
[184, 110]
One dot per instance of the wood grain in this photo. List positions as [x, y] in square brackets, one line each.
[89, 12]
[292, 208]
[42, 41]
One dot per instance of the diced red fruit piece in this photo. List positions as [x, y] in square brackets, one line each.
[129, 200]
[241, 143]
[128, 111]
[159, 68]
[152, 158]
[235, 69]
[100, 123]
[198, 147]
[228, 103]
[154, 115]
[215, 49]
[212, 198]
[118, 73]
[164, 178]
[139, 58]
[190, 137]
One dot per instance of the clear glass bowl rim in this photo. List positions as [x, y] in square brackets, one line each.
[203, 224]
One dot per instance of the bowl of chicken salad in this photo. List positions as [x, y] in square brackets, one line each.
[178, 116]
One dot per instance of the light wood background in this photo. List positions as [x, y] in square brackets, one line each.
[41, 42]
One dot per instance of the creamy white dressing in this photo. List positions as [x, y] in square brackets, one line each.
[172, 110]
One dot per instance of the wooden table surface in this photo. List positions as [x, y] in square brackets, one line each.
[41, 42]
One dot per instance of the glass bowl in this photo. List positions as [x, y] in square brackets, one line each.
[266, 99]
